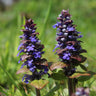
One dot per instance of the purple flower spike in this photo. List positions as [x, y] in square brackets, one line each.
[69, 48]
[32, 50]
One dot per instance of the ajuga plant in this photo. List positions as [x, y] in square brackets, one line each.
[31, 51]
[69, 47]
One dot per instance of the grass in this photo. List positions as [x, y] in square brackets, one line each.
[44, 14]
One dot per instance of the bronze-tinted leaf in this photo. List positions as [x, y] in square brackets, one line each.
[24, 41]
[32, 25]
[35, 33]
[59, 51]
[57, 65]
[79, 58]
[71, 42]
[39, 84]
[23, 70]
[59, 18]
[68, 21]
[23, 57]
[24, 30]
[76, 75]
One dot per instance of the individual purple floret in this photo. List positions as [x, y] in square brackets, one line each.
[31, 51]
[68, 47]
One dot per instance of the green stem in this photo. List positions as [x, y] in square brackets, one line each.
[37, 92]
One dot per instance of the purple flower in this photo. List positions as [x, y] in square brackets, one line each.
[54, 26]
[37, 54]
[33, 39]
[70, 47]
[32, 69]
[66, 56]
[30, 48]
[70, 28]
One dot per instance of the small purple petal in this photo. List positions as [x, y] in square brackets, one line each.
[54, 26]
[56, 47]
[78, 32]
[26, 81]
[33, 39]
[20, 52]
[45, 69]
[70, 28]
[32, 69]
[37, 54]
[70, 47]
[19, 60]
[33, 31]
[66, 56]
[30, 48]
[80, 36]
[23, 65]
[20, 46]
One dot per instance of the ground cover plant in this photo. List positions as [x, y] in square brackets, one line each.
[45, 14]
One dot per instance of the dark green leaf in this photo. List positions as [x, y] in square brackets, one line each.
[83, 67]
[51, 92]
[58, 76]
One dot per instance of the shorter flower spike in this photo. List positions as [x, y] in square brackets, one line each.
[32, 51]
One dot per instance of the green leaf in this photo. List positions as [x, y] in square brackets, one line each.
[51, 92]
[57, 65]
[83, 67]
[39, 84]
[58, 76]
[83, 76]
[23, 70]
[76, 75]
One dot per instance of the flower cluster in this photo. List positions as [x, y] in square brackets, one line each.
[69, 48]
[81, 92]
[31, 51]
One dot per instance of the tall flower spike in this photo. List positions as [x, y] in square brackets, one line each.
[68, 47]
[32, 50]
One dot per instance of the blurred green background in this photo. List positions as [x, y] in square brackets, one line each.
[44, 13]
